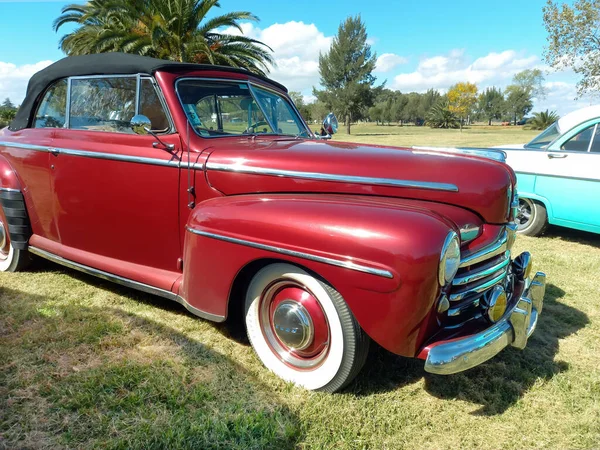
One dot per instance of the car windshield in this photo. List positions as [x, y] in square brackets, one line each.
[226, 108]
[544, 139]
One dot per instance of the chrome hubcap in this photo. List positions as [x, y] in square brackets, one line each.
[525, 213]
[293, 325]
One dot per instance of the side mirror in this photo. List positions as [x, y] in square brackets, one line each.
[330, 124]
[140, 124]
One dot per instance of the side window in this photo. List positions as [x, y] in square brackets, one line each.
[151, 107]
[52, 110]
[595, 148]
[103, 104]
[581, 141]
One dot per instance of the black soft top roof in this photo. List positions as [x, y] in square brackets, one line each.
[104, 64]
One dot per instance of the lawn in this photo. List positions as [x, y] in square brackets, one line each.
[85, 363]
[473, 136]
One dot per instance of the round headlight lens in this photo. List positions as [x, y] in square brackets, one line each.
[450, 259]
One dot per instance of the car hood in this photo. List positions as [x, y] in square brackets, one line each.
[280, 165]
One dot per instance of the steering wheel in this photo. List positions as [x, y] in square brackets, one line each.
[251, 128]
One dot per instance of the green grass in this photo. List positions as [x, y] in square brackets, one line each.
[473, 136]
[88, 364]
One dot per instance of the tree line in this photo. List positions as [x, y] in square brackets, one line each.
[191, 31]
[350, 90]
[8, 110]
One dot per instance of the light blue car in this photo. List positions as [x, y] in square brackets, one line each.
[558, 174]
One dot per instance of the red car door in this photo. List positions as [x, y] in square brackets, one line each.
[116, 192]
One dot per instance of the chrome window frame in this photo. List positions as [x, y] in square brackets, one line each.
[249, 83]
[138, 77]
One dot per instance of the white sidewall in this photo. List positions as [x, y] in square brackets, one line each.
[5, 263]
[309, 379]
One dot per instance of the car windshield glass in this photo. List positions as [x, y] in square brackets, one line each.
[280, 113]
[544, 139]
[226, 108]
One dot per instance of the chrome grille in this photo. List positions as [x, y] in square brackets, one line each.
[478, 273]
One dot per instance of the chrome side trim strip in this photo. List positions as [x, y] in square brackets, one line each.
[331, 177]
[125, 282]
[101, 274]
[486, 253]
[9, 189]
[333, 262]
[100, 155]
[116, 157]
[37, 148]
[559, 176]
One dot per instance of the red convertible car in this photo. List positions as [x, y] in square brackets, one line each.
[204, 185]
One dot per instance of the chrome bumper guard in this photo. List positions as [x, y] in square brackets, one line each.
[513, 329]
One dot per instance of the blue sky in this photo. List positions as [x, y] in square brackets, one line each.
[431, 43]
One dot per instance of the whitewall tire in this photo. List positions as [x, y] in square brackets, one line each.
[302, 329]
[532, 217]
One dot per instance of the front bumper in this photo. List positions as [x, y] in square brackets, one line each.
[514, 329]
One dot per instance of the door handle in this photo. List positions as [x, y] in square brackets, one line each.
[54, 151]
[556, 155]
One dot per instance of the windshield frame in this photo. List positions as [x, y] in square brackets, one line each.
[251, 84]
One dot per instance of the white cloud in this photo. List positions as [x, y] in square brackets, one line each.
[561, 98]
[296, 47]
[442, 71]
[13, 79]
[389, 61]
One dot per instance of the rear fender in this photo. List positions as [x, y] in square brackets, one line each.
[382, 258]
[8, 176]
[13, 205]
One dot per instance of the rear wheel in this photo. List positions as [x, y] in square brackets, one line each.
[532, 218]
[302, 329]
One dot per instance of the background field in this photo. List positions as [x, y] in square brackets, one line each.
[85, 363]
[474, 136]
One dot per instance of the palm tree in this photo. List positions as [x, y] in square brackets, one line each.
[542, 120]
[440, 116]
[177, 30]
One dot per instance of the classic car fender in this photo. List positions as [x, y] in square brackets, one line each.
[8, 176]
[382, 258]
[13, 205]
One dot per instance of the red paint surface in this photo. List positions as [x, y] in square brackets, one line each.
[129, 219]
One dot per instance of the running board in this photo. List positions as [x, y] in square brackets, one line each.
[125, 282]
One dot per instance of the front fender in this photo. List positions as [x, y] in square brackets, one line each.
[382, 257]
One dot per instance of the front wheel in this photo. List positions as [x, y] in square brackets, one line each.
[532, 218]
[302, 329]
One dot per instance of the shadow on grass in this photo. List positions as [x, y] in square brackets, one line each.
[81, 376]
[571, 235]
[495, 385]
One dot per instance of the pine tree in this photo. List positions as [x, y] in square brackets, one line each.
[346, 72]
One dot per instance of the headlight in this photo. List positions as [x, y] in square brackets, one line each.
[449, 259]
